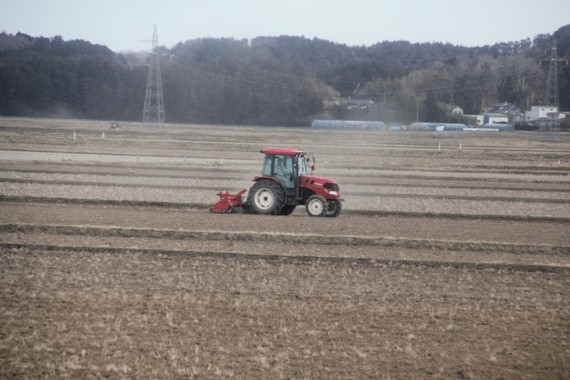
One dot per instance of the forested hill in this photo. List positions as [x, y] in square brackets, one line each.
[277, 80]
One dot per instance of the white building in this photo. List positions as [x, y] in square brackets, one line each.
[540, 112]
[492, 118]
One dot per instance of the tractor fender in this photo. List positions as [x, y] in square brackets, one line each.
[261, 178]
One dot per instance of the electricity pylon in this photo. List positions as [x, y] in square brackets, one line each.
[551, 93]
[551, 98]
[153, 111]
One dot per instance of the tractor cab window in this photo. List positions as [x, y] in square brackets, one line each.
[280, 167]
[302, 165]
[267, 166]
[283, 166]
[277, 165]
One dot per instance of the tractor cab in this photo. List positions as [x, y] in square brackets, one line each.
[287, 169]
[282, 168]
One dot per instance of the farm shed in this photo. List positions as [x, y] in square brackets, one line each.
[439, 127]
[359, 124]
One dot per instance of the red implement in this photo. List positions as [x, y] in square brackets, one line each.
[227, 201]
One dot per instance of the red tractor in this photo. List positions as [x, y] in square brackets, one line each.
[284, 184]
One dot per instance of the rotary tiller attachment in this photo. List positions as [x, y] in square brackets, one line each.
[227, 202]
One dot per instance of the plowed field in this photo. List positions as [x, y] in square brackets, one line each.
[451, 258]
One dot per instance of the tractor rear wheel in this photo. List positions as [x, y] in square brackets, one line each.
[316, 205]
[266, 197]
[334, 208]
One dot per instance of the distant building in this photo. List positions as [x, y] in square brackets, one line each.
[360, 104]
[505, 107]
[491, 118]
[514, 113]
[330, 103]
[348, 124]
[452, 109]
[456, 111]
[541, 112]
[437, 127]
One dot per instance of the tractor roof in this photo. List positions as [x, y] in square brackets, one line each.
[283, 151]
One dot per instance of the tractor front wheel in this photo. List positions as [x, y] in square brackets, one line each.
[266, 197]
[316, 205]
[334, 208]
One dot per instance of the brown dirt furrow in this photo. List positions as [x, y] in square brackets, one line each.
[392, 226]
[361, 255]
[348, 242]
[202, 206]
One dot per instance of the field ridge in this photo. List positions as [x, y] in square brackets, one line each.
[293, 238]
[350, 261]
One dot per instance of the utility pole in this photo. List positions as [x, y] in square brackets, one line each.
[153, 111]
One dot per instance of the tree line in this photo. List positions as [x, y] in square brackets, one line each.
[281, 80]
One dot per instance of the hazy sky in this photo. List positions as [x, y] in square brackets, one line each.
[126, 24]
